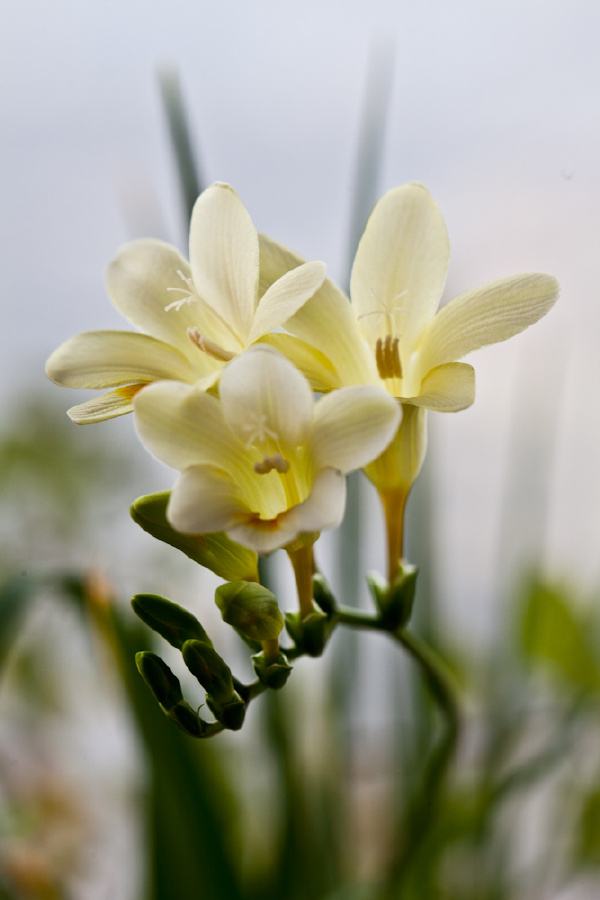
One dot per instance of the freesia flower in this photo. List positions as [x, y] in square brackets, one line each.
[263, 462]
[392, 333]
[193, 317]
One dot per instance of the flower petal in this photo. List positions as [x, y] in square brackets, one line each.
[224, 257]
[400, 463]
[261, 536]
[323, 508]
[491, 314]
[400, 266]
[326, 321]
[265, 398]
[108, 406]
[447, 388]
[311, 362]
[182, 426]
[352, 426]
[205, 500]
[100, 359]
[285, 296]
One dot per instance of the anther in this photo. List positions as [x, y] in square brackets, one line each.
[207, 346]
[387, 357]
[276, 462]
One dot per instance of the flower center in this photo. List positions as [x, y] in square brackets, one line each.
[188, 293]
[387, 357]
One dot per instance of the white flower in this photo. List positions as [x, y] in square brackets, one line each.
[263, 462]
[193, 317]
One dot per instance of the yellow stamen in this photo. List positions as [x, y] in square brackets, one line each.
[207, 346]
[387, 357]
[276, 462]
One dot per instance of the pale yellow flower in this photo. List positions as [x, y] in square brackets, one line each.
[393, 332]
[193, 317]
[263, 462]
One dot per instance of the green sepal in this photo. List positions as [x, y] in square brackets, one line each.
[216, 552]
[187, 719]
[231, 714]
[310, 634]
[323, 595]
[251, 609]
[273, 673]
[176, 624]
[395, 602]
[159, 678]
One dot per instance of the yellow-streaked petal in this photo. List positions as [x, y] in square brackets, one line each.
[400, 266]
[224, 257]
[101, 359]
[326, 321]
[311, 362]
[323, 508]
[285, 296]
[400, 463]
[447, 388]
[265, 399]
[352, 426]
[182, 426]
[205, 500]
[491, 314]
[145, 277]
[108, 406]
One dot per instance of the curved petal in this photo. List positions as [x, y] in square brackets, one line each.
[311, 362]
[285, 296]
[326, 321]
[261, 536]
[491, 314]
[265, 399]
[447, 388]
[182, 427]
[100, 359]
[323, 508]
[400, 266]
[205, 500]
[224, 257]
[400, 463]
[352, 426]
[108, 406]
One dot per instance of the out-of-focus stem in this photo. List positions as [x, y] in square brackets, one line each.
[394, 506]
[302, 561]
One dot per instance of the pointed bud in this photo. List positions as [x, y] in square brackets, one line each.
[188, 719]
[216, 552]
[159, 678]
[210, 669]
[273, 673]
[170, 620]
[251, 609]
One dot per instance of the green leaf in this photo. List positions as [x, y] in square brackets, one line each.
[587, 844]
[213, 551]
[15, 596]
[251, 609]
[555, 635]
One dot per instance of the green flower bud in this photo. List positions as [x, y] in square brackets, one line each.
[310, 634]
[230, 714]
[216, 552]
[210, 669]
[159, 678]
[323, 595]
[251, 609]
[187, 719]
[273, 673]
[170, 620]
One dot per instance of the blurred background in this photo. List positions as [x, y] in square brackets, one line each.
[311, 111]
